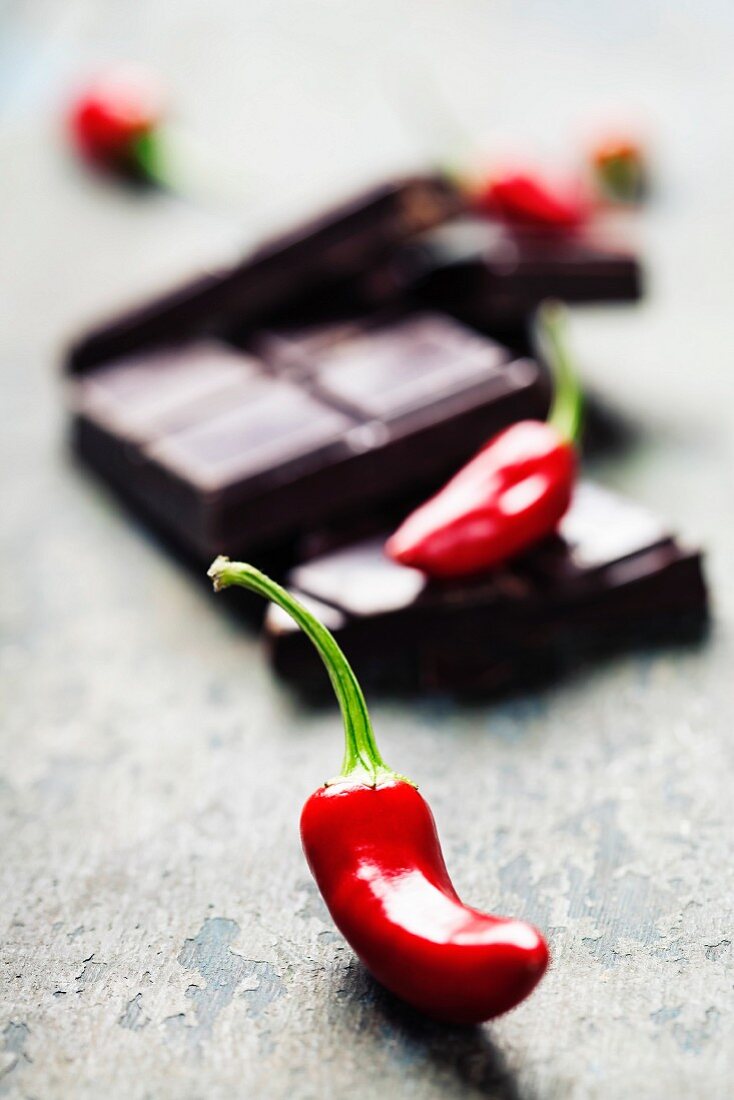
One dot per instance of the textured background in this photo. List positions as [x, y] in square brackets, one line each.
[160, 933]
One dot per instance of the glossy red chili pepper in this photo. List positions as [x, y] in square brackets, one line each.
[371, 843]
[528, 201]
[113, 121]
[509, 496]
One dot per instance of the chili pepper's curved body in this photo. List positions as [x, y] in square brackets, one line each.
[376, 858]
[529, 202]
[511, 495]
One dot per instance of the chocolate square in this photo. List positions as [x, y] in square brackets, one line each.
[270, 429]
[411, 363]
[164, 390]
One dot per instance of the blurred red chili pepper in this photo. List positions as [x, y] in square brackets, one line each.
[528, 201]
[371, 843]
[511, 495]
[114, 121]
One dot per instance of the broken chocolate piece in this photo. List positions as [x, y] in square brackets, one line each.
[613, 577]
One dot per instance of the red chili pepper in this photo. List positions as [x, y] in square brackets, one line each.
[509, 496]
[527, 201]
[113, 122]
[371, 843]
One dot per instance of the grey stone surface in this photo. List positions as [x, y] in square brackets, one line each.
[161, 936]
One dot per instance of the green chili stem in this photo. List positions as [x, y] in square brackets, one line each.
[362, 758]
[150, 159]
[567, 406]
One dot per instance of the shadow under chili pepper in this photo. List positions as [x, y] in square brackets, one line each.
[608, 430]
[466, 1054]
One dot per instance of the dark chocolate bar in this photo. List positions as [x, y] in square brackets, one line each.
[229, 450]
[250, 407]
[614, 576]
[493, 277]
[333, 248]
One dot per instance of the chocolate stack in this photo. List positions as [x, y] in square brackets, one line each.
[332, 380]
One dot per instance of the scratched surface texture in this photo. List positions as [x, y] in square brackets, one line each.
[161, 936]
